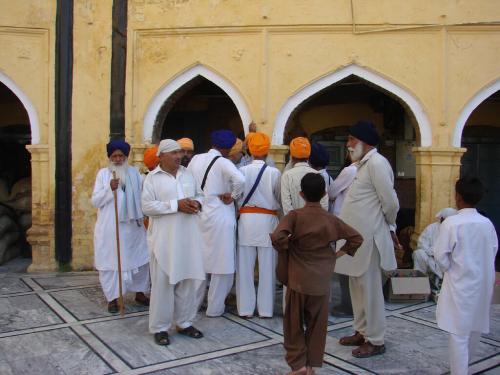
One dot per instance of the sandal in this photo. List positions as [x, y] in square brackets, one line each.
[161, 338]
[354, 340]
[190, 332]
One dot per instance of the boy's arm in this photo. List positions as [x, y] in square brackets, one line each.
[351, 235]
[280, 238]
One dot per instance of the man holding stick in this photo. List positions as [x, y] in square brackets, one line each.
[125, 187]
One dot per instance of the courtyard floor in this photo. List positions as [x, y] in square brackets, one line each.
[58, 323]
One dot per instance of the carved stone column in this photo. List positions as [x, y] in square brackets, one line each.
[41, 233]
[137, 156]
[278, 153]
[437, 170]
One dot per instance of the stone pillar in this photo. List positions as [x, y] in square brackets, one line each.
[137, 156]
[278, 153]
[41, 233]
[437, 170]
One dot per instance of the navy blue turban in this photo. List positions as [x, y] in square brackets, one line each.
[224, 139]
[365, 131]
[118, 145]
[319, 155]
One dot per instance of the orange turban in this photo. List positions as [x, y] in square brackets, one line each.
[186, 144]
[258, 144]
[300, 148]
[238, 147]
[150, 158]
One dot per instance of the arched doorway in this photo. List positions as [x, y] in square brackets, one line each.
[15, 176]
[481, 137]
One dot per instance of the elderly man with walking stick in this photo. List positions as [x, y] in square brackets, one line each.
[117, 196]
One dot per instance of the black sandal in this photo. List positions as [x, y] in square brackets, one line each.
[161, 338]
[190, 332]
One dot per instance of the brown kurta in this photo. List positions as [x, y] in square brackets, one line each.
[305, 263]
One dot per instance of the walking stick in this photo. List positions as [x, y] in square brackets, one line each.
[117, 230]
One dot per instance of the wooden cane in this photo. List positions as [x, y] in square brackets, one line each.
[117, 230]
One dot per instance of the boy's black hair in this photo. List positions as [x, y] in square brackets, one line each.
[313, 187]
[470, 189]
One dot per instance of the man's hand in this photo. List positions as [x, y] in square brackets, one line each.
[226, 198]
[395, 241]
[113, 184]
[188, 206]
[340, 253]
[252, 128]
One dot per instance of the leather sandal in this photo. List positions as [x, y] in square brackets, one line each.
[113, 307]
[141, 299]
[191, 332]
[368, 350]
[161, 338]
[355, 340]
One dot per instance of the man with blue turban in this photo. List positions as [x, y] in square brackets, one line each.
[127, 184]
[221, 184]
[319, 160]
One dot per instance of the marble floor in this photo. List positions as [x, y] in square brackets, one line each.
[58, 324]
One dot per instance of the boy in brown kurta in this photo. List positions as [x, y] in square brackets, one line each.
[306, 261]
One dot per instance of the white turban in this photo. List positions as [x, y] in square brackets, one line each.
[167, 145]
[445, 212]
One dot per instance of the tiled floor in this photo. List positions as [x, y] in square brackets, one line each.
[58, 324]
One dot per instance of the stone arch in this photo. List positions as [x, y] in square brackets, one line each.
[28, 105]
[179, 81]
[316, 86]
[471, 105]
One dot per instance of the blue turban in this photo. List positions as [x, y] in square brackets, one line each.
[224, 139]
[319, 155]
[365, 131]
[118, 145]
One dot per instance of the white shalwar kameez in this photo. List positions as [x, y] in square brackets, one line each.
[341, 186]
[329, 187]
[175, 243]
[133, 247]
[423, 256]
[465, 250]
[254, 241]
[218, 225]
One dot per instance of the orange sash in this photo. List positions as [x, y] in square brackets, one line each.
[257, 210]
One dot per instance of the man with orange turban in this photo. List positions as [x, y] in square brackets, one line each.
[187, 147]
[150, 158]
[258, 217]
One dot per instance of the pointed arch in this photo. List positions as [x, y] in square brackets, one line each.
[309, 90]
[27, 104]
[471, 105]
[180, 80]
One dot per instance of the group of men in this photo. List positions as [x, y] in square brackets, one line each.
[210, 217]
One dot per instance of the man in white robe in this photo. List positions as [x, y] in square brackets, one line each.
[465, 250]
[171, 199]
[371, 206]
[423, 255]
[221, 186]
[133, 246]
[258, 218]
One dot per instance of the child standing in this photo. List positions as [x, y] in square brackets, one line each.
[465, 250]
[304, 237]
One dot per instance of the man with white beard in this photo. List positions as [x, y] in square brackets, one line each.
[370, 207]
[133, 246]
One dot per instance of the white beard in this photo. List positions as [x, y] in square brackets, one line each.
[121, 172]
[356, 152]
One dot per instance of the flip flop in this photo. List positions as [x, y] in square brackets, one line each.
[190, 332]
[161, 338]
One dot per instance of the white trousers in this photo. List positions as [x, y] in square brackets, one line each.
[219, 288]
[245, 286]
[462, 349]
[171, 303]
[136, 280]
[368, 302]
[425, 263]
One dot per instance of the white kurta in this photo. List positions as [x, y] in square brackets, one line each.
[423, 256]
[133, 246]
[329, 187]
[341, 186]
[371, 206]
[173, 236]
[218, 220]
[465, 249]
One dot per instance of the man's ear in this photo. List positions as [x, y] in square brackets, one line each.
[302, 195]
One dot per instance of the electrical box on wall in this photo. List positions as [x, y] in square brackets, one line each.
[405, 160]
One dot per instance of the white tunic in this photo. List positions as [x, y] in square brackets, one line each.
[465, 250]
[133, 246]
[173, 236]
[371, 206]
[341, 185]
[329, 187]
[218, 220]
[254, 229]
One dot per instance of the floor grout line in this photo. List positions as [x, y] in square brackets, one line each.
[345, 365]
